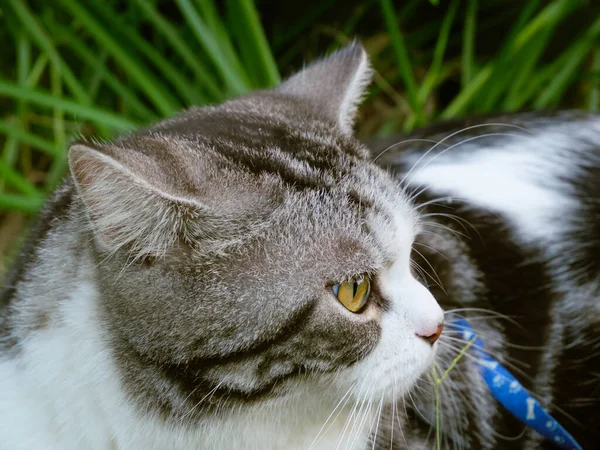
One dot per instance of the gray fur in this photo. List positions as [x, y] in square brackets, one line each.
[214, 238]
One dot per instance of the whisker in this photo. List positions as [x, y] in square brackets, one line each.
[506, 363]
[346, 396]
[447, 228]
[488, 311]
[510, 438]
[210, 393]
[460, 143]
[432, 249]
[439, 283]
[362, 412]
[400, 425]
[417, 267]
[460, 220]
[378, 419]
[506, 344]
[436, 201]
[406, 141]
[351, 415]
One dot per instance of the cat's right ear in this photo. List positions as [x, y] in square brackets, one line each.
[124, 209]
[334, 85]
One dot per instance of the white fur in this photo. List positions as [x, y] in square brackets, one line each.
[63, 393]
[519, 179]
[62, 390]
[354, 94]
[401, 356]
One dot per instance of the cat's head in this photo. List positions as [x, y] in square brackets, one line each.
[252, 251]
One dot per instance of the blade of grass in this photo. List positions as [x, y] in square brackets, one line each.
[531, 90]
[210, 15]
[525, 63]
[10, 151]
[436, 391]
[251, 39]
[432, 78]
[437, 381]
[43, 120]
[46, 99]
[356, 16]
[218, 26]
[39, 66]
[163, 101]
[402, 59]
[23, 68]
[14, 178]
[28, 204]
[58, 127]
[28, 138]
[549, 15]
[204, 76]
[408, 9]
[594, 99]
[44, 41]
[566, 66]
[503, 70]
[188, 92]
[532, 50]
[486, 79]
[95, 82]
[85, 53]
[526, 49]
[229, 70]
[462, 101]
[468, 49]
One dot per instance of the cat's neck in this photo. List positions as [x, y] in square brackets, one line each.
[66, 374]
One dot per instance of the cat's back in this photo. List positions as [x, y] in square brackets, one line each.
[539, 172]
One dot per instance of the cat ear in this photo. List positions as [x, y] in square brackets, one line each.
[335, 85]
[124, 209]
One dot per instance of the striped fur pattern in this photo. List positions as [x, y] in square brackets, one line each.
[178, 292]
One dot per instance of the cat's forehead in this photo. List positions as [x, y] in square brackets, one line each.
[258, 120]
[264, 161]
[360, 224]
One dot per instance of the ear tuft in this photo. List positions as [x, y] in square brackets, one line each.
[335, 85]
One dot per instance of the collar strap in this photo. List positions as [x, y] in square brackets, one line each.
[511, 394]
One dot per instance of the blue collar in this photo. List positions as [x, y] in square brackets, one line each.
[512, 395]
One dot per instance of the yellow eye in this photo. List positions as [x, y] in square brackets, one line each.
[353, 294]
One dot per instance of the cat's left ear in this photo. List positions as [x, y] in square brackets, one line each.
[334, 85]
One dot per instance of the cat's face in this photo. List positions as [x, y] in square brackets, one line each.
[234, 247]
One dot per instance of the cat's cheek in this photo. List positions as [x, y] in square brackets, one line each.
[397, 361]
[400, 357]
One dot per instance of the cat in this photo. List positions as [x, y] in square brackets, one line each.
[218, 280]
[251, 276]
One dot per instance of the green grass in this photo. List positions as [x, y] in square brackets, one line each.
[85, 67]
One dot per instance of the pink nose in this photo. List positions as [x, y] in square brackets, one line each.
[431, 338]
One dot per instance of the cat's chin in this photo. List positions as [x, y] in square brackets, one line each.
[388, 375]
